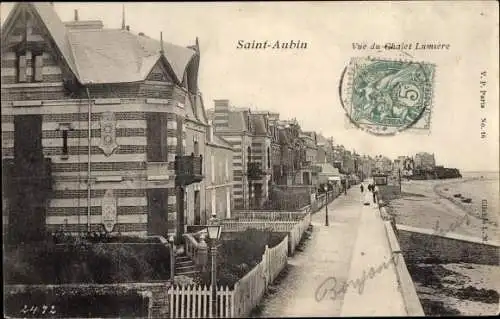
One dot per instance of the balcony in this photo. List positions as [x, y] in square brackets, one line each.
[188, 169]
[254, 172]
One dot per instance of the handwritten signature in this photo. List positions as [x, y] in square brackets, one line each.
[332, 288]
[453, 226]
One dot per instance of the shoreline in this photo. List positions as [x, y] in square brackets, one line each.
[455, 289]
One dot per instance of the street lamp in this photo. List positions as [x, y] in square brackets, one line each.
[171, 240]
[214, 231]
[325, 187]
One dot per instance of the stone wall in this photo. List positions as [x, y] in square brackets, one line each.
[420, 244]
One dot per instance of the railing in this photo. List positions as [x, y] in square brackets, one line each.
[188, 168]
[196, 251]
[266, 215]
[274, 226]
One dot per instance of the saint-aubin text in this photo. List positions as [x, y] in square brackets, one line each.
[273, 45]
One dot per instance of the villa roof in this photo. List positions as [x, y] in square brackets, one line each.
[108, 55]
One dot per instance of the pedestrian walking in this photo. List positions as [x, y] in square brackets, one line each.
[362, 188]
[375, 194]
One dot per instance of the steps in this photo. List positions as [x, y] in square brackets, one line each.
[185, 266]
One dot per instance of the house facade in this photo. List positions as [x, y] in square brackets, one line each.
[218, 177]
[237, 126]
[96, 134]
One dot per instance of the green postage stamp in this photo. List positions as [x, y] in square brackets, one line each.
[385, 97]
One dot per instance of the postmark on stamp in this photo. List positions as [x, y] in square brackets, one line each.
[385, 97]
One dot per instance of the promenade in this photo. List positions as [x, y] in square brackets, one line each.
[326, 278]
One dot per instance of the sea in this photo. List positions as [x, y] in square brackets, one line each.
[483, 186]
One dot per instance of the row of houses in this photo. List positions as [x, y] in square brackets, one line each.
[107, 130]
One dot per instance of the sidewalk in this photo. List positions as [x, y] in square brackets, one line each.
[374, 288]
[332, 257]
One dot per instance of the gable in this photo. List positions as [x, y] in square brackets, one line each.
[29, 53]
[159, 72]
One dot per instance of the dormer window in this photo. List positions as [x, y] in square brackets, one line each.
[36, 67]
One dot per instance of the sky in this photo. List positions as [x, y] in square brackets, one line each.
[303, 84]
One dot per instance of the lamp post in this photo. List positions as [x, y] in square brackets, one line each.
[171, 240]
[214, 232]
[326, 205]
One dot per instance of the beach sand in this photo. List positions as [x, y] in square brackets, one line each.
[426, 204]
[453, 289]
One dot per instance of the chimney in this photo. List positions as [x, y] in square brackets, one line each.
[221, 113]
[76, 15]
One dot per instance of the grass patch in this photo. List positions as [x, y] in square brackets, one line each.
[238, 255]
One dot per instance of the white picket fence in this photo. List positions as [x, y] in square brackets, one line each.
[276, 259]
[196, 301]
[296, 233]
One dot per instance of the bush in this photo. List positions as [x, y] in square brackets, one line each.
[237, 256]
[100, 263]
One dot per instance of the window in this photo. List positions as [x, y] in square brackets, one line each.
[157, 137]
[38, 68]
[21, 61]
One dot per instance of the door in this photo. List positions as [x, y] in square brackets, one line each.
[258, 195]
[158, 211]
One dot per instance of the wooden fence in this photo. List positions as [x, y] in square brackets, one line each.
[196, 301]
[276, 259]
[297, 232]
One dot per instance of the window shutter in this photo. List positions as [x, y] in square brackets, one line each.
[22, 68]
[38, 69]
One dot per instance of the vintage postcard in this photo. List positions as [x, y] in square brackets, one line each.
[250, 159]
